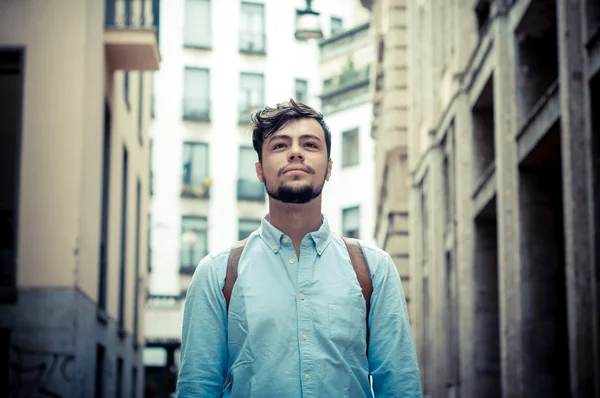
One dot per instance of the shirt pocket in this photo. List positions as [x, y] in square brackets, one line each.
[347, 327]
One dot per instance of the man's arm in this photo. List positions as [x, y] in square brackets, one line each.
[392, 357]
[203, 340]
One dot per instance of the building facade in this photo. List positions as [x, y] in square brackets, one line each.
[503, 149]
[222, 60]
[75, 95]
[345, 62]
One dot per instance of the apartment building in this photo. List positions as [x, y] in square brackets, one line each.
[222, 60]
[75, 95]
[345, 63]
[503, 154]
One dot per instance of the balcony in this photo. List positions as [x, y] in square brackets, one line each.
[250, 190]
[189, 259]
[130, 35]
[253, 43]
[196, 109]
[345, 42]
[347, 89]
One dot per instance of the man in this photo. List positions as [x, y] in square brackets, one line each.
[295, 325]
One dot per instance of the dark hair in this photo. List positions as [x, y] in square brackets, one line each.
[270, 120]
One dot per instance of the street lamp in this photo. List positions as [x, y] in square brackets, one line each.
[308, 25]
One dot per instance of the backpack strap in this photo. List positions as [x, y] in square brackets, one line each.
[232, 269]
[361, 268]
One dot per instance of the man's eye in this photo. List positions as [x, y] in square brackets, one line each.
[278, 146]
[311, 145]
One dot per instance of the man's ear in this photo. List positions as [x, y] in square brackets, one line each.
[329, 165]
[259, 174]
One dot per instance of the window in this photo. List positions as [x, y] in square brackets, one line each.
[136, 275]
[196, 94]
[337, 26]
[195, 181]
[141, 109]
[126, 88]
[248, 187]
[197, 27]
[301, 90]
[149, 243]
[246, 227]
[351, 222]
[11, 114]
[119, 389]
[134, 382]
[350, 155]
[252, 28]
[98, 391]
[251, 94]
[123, 273]
[194, 242]
[106, 158]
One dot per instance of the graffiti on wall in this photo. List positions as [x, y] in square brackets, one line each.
[36, 373]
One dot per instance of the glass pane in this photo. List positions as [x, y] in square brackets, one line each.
[187, 164]
[247, 160]
[196, 92]
[351, 219]
[301, 90]
[350, 148]
[197, 23]
[246, 227]
[199, 164]
[251, 86]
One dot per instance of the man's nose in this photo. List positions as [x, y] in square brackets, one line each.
[296, 153]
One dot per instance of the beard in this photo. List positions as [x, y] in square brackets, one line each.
[296, 195]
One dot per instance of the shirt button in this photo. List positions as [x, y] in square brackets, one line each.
[292, 261]
[301, 296]
[285, 240]
[275, 247]
[319, 249]
[306, 376]
[304, 336]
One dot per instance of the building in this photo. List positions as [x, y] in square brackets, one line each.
[222, 60]
[503, 152]
[345, 62]
[75, 81]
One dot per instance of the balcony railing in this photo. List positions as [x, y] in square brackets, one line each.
[346, 81]
[130, 14]
[189, 259]
[351, 39]
[131, 35]
[252, 42]
[196, 109]
[250, 190]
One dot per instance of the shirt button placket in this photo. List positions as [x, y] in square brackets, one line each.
[305, 322]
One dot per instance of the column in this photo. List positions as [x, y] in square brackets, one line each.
[577, 178]
[509, 277]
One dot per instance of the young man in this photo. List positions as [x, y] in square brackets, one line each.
[294, 324]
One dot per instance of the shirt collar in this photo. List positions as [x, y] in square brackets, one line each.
[274, 237]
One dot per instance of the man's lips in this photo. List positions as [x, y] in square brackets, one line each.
[291, 170]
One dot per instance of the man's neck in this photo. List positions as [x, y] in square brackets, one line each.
[295, 220]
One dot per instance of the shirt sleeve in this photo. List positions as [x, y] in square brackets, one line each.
[392, 355]
[203, 340]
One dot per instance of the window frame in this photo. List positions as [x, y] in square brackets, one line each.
[208, 16]
[261, 50]
[346, 161]
[346, 211]
[196, 114]
[187, 188]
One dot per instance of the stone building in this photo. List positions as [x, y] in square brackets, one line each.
[494, 104]
[74, 176]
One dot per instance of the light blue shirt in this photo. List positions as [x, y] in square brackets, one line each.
[296, 325]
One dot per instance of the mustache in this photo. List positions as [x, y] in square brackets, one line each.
[304, 167]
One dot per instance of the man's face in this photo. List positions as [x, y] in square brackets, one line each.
[294, 162]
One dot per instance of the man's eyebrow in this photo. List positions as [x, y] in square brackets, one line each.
[311, 136]
[280, 136]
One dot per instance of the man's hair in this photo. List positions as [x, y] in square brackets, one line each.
[270, 120]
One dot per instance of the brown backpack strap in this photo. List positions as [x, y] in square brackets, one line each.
[232, 269]
[361, 268]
